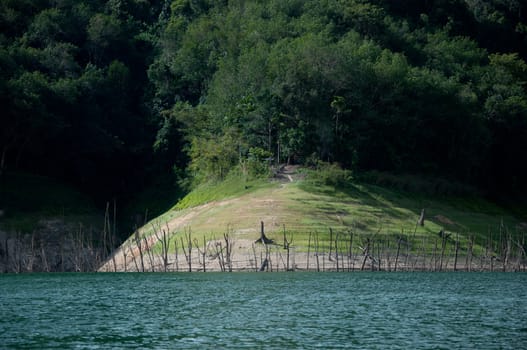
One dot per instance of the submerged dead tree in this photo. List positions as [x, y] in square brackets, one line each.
[399, 241]
[421, 221]
[188, 250]
[138, 243]
[287, 247]
[265, 241]
[366, 253]
[456, 252]
[317, 247]
[162, 236]
[202, 253]
[351, 260]
[176, 256]
[219, 254]
[263, 238]
[228, 251]
[308, 250]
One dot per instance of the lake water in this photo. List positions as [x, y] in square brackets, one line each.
[264, 311]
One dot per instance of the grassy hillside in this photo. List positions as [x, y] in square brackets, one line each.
[308, 205]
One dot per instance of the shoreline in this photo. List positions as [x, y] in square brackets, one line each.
[253, 259]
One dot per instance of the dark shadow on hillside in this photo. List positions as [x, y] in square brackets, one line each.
[359, 195]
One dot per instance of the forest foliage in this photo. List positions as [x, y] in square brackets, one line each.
[114, 96]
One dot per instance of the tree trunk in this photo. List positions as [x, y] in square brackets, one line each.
[397, 255]
[457, 252]
[366, 254]
[263, 238]
[308, 251]
[421, 221]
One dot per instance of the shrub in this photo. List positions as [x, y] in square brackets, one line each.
[258, 162]
[330, 174]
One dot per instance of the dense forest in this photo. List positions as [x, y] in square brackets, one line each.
[118, 96]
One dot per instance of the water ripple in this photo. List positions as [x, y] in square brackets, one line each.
[264, 311]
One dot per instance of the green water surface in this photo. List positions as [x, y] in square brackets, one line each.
[264, 311]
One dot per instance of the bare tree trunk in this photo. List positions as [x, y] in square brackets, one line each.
[286, 247]
[372, 265]
[221, 258]
[308, 251]
[228, 247]
[488, 250]
[407, 241]
[45, 264]
[524, 255]
[433, 261]
[379, 256]
[150, 254]
[330, 244]
[424, 254]
[388, 254]
[125, 248]
[165, 244]
[366, 254]
[75, 254]
[397, 254]
[105, 232]
[421, 221]
[188, 251]
[521, 255]
[32, 255]
[337, 250]
[317, 246]
[265, 264]
[263, 238]
[113, 234]
[502, 245]
[469, 254]
[16, 256]
[255, 258]
[507, 252]
[279, 257]
[351, 261]
[176, 254]
[62, 257]
[189, 242]
[416, 258]
[456, 251]
[162, 236]
[133, 256]
[204, 254]
[443, 247]
[139, 244]
[517, 266]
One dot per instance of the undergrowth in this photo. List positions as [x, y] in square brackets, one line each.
[25, 199]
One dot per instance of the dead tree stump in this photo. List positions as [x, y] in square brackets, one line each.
[421, 221]
[263, 239]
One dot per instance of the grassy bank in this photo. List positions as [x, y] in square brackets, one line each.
[343, 218]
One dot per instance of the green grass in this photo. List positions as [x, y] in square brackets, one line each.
[234, 185]
[308, 207]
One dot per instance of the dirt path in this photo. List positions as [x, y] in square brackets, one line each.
[288, 173]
